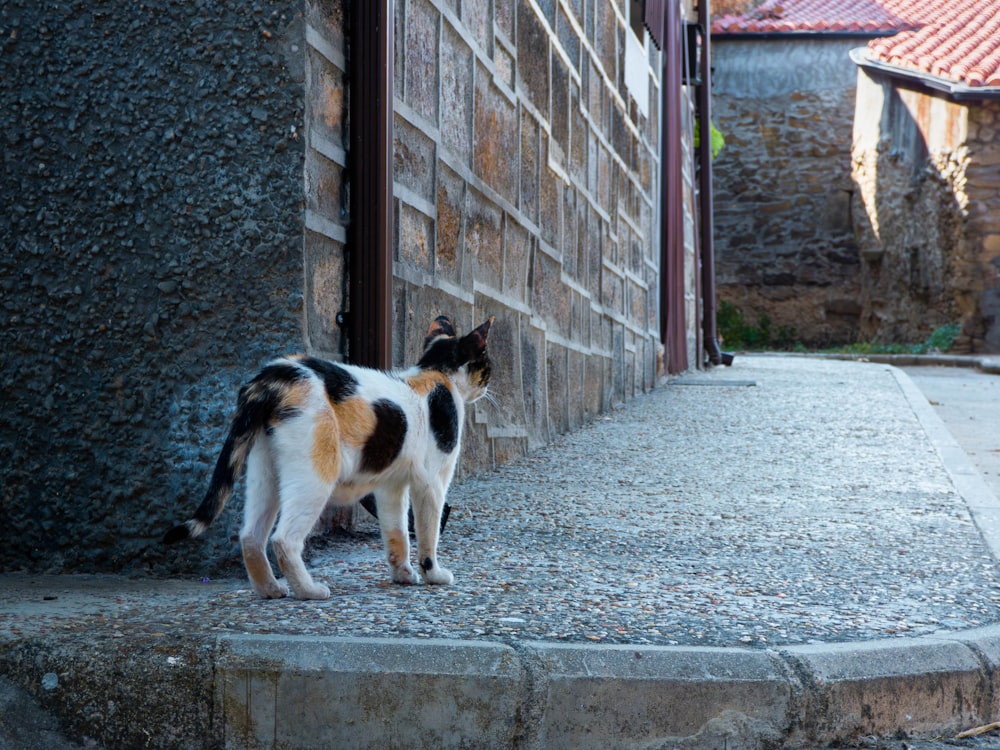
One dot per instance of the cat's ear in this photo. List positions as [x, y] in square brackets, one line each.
[440, 327]
[479, 335]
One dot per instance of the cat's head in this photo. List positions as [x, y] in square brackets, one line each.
[463, 359]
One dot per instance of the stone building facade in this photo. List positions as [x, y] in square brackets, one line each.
[927, 212]
[179, 205]
[785, 245]
[525, 180]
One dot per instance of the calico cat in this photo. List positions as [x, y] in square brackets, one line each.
[313, 432]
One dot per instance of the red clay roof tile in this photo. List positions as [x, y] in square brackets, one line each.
[814, 16]
[958, 40]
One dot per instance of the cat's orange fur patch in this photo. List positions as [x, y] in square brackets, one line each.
[352, 422]
[395, 545]
[257, 566]
[296, 394]
[326, 447]
[356, 421]
[425, 382]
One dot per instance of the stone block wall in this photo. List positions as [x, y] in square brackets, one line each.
[784, 236]
[981, 317]
[926, 212]
[326, 178]
[151, 258]
[524, 186]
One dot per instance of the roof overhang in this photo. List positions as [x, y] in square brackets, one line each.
[954, 89]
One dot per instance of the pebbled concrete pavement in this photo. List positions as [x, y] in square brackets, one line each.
[138, 663]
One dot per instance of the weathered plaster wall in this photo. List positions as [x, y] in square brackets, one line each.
[151, 257]
[927, 214]
[784, 238]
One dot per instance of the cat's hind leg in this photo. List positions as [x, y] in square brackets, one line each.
[303, 497]
[428, 502]
[259, 513]
[392, 504]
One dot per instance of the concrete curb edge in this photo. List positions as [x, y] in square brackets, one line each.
[418, 693]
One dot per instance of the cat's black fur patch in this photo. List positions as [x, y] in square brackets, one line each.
[426, 564]
[259, 402]
[224, 475]
[448, 354]
[441, 355]
[279, 372]
[339, 383]
[442, 326]
[443, 418]
[386, 441]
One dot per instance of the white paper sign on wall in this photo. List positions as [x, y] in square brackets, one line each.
[637, 70]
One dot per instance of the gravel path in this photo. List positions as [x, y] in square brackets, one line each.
[808, 506]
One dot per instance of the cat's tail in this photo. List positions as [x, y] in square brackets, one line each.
[269, 398]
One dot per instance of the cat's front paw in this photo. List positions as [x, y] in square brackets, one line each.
[404, 574]
[435, 574]
[313, 591]
[271, 590]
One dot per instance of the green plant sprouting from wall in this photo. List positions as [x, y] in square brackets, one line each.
[718, 139]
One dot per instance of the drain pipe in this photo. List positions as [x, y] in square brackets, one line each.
[707, 224]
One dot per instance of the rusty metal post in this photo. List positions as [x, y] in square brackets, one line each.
[673, 332]
[708, 322]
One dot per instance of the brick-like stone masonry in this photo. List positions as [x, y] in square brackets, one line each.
[525, 185]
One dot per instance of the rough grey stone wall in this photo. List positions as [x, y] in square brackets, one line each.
[926, 212]
[151, 258]
[784, 238]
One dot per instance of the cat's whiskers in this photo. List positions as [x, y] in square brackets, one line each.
[490, 398]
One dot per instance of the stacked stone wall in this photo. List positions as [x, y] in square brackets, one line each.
[784, 237]
[525, 181]
[981, 319]
[926, 213]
